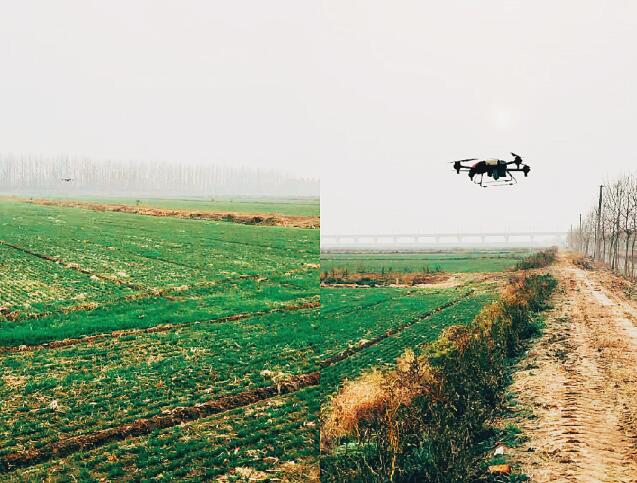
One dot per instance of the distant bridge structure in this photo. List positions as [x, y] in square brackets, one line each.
[432, 240]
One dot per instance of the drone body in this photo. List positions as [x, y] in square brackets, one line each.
[500, 171]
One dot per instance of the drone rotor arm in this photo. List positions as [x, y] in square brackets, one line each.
[522, 169]
[457, 166]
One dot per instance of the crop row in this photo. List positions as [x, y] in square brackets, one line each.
[363, 320]
[343, 300]
[385, 352]
[32, 285]
[265, 439]
[478, 261]
[70, 273]
[166, 270]
[56, 393]
[161, 252]
[240, 298]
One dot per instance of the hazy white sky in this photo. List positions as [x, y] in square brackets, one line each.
[222, 81]
[409, 85]
[373, 96]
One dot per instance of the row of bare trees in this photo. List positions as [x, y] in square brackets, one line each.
[35, 175]
[608, 232]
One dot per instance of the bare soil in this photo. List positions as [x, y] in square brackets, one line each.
[580, 383]
[235, 217]
[415, 280]
[389, 279]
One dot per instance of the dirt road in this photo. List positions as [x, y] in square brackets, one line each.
[580, 383]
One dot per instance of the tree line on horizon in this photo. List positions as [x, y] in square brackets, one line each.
[34, 175]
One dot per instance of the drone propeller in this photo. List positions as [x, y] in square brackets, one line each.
[457, 165]
[517, 160]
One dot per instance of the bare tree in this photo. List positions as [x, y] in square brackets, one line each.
[38, 175]
[618, 226]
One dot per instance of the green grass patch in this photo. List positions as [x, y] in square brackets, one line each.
[452, 261]
[261, 438]
[115, 381]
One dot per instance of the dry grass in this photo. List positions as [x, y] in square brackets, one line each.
[442, 396]
[300, 472]
[375, 397]
[362, 400]
[235, 217]
[343, 277]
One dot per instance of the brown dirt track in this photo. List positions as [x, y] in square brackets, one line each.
[580, 382]
[234, 217]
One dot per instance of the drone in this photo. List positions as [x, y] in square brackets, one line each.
[67, 179]
[498, 170]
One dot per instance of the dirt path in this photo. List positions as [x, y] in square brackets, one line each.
[580, 382]
[269, 219]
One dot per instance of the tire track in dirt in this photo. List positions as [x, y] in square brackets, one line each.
[145, 426]
[581, 384]
[158, 328]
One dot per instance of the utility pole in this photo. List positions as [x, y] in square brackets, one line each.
[599, 221]
[579, 236]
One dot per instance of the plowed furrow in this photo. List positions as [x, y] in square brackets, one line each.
[70, 266]
[141, 427]
[159, 328]
[393, 331]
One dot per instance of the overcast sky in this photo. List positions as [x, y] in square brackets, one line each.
[410, 85]
[231, 82]
[373, 96]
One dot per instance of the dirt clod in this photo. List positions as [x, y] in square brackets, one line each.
[500, 469]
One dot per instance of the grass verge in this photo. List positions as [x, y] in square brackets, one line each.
[421, 421]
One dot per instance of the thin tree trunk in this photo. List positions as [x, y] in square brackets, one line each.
[626, 253]
[632, 258]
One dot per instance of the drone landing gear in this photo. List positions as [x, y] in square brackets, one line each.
[506, 181]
